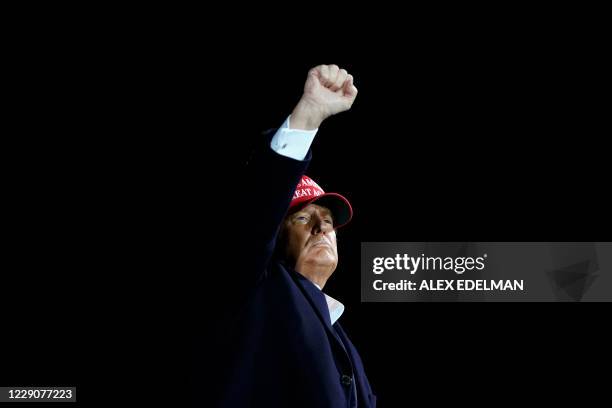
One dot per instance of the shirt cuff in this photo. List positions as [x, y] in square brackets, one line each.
[293, 143]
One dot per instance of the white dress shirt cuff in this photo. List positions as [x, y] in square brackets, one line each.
[293, 143]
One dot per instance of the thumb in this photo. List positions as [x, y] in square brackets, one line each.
[312, 80]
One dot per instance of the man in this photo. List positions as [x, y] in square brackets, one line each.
[285, 345]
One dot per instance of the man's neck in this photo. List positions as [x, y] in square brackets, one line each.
[318, 276]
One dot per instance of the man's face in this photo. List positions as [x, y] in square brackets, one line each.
[311, 238]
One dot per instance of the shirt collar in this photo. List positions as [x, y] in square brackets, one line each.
[334, 306]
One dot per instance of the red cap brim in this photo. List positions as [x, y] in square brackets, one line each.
[339, 206]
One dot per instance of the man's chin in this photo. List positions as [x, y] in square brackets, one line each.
[322, 254]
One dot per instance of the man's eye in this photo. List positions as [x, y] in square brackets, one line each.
[301, 218]
[329, 221]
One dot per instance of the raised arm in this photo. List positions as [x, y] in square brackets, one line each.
[272, 175]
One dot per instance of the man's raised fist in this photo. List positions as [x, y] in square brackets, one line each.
[328, 90]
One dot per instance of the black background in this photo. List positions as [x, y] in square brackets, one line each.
[124, 167]
[458, 140]
[455, 137]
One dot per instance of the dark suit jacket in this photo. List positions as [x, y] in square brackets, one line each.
[280, 348]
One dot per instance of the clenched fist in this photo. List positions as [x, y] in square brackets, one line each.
[328, 90]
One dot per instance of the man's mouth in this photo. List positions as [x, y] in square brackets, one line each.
[320, 242]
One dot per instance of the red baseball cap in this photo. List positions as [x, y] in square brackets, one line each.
[307, 192]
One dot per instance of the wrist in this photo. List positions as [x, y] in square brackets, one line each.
[306, 116]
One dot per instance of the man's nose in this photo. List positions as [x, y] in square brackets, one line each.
[319, 225]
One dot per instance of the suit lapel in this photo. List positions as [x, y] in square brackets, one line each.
[317, 300]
